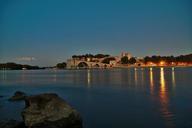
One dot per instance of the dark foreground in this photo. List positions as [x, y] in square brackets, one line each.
[44, 111]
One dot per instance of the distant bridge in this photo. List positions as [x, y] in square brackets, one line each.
[75, 63]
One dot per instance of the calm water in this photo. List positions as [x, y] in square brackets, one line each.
[115, 98]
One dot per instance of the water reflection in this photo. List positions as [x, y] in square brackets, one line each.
[55, 76]
[4, 75]
[88, 77]
[142, 76]
[136, 76]
[23, 76]
[173, 76]
[162, 82]
[163, 92]
[151, 81]
[129, 77]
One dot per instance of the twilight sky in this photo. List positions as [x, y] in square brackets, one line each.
[45, 32]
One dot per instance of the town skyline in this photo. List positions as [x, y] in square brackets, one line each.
[125, 59]
[48, 32]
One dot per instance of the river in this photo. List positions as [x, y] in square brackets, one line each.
[109, 98]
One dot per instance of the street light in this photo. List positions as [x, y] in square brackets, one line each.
[162, 63]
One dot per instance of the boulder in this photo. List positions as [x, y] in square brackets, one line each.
[50, 111]
[11, 124]
[18, 96]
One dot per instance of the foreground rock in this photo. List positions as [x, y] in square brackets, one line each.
[11, 124]
[50, 111]
[18, 96]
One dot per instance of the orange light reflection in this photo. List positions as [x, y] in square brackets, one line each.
[173, 76]
[151, 81]
[88, 77]
[136, 77]
[167, 115]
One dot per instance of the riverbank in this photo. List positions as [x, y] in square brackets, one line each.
[149, 66]
[114, 67]
[131, 66]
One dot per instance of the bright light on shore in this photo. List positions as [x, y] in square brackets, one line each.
[162, 63]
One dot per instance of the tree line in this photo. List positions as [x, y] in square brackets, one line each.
[14, 66]
[126, 60]
[62, 65]
[169, 59]
[90, 56]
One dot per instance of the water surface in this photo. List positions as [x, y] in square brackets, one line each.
[109, 98]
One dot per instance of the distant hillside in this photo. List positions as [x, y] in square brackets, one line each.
[14, 66]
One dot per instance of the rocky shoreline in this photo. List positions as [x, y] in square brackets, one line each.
[46, 110]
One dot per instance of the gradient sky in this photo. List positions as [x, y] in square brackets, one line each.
[45, 32]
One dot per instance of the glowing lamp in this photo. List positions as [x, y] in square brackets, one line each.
[162, 63]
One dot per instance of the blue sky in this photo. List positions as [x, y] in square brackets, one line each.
[45, 32]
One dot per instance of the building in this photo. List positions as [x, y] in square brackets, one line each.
[123, 54]
[92, 61]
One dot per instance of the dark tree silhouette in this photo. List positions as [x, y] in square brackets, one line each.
[107, 60]
[14, 66]
[132, 60]
[169, 59]
[90, 56]
[124, 60]
[61, 65]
